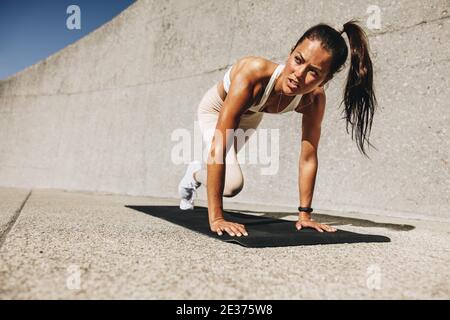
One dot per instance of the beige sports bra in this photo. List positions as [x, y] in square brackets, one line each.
[269, 87]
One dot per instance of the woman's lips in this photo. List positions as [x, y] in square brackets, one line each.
[292, 84]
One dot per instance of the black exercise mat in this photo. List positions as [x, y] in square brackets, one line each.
[262, 231]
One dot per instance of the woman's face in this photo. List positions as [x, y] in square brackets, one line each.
[306, 68]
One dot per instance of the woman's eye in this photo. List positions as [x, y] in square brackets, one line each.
[298, 60]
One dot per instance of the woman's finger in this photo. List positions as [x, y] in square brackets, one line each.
[328, 228]
[235, 230]
[227, 229]
[242, 230]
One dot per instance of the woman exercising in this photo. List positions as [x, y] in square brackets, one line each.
[254, 86]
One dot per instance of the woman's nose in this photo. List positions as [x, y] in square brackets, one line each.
[299, 73]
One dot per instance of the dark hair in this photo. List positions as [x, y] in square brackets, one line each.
[359, 96]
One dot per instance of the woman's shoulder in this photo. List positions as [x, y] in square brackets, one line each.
[312, 101]
[254, 68]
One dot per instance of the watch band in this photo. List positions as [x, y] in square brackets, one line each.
[305, 209]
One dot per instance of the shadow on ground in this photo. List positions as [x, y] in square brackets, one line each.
[334, 220]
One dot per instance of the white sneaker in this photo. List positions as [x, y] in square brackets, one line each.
[188, 186]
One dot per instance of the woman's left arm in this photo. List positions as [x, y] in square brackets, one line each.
[308, 160]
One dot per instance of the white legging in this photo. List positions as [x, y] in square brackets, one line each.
[208, 114]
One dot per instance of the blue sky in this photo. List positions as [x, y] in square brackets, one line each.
[31, 30]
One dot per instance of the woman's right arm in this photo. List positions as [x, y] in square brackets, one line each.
[238, 99]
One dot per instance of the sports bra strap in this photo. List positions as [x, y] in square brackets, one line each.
[269, 87]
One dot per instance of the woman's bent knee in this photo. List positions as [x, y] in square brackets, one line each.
[231, 191]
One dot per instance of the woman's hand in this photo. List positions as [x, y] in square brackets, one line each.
[220, 225]
[310, 223]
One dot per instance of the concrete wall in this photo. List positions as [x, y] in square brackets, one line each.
[99, 114]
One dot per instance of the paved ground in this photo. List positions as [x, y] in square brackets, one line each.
[74, 245]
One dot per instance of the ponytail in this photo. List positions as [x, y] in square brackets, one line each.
[359, 97]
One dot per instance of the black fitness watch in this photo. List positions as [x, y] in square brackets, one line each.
[305, 209]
